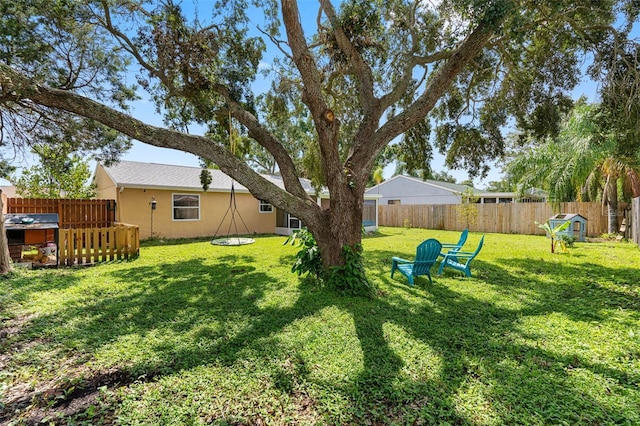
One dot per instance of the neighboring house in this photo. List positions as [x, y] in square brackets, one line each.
[409, 190]
[184, 210]
[7, 191]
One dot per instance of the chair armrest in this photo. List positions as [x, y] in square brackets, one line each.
[461, 255]
[450, 245]
[447, 250]
[401, 260]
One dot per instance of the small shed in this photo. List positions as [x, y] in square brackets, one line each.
[577, 229]
[27, 230]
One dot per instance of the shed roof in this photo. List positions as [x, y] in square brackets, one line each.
[568, 216]
[13, 221]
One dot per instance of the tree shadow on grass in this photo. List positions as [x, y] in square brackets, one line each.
[479, 341]
[180, 315]
[23, 284]
[613, 287]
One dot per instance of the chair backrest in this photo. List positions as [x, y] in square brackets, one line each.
[426, 255]
[475, 253]
[463, 237]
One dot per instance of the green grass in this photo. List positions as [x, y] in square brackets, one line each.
[192, 333]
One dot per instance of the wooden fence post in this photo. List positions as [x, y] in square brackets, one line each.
[634, 221]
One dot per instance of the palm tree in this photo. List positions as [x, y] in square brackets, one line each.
[581, 163]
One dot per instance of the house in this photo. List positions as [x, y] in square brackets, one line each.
[6, 191]
[409, 190]
[168, 201]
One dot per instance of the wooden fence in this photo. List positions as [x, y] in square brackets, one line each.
[634, 220]
[71, 213]
[91, 245]
[506, 218]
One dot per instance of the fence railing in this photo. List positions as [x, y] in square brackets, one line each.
[507, 218]
[71, 213]
[91, 245]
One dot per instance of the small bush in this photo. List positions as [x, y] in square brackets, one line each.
[568, 240]
[308, 259]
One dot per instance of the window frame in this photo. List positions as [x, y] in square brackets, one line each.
[174, 207]
[263, 204]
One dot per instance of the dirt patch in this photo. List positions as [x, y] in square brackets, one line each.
[76, 393]
[81, 395]
[56, 402]
[11, 327]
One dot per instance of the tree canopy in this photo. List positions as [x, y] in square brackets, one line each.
[59, 174]
[583, 162]
[449, 73]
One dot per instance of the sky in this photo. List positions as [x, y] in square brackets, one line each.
[145, 111]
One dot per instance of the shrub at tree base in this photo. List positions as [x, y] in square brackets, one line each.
[349, 278]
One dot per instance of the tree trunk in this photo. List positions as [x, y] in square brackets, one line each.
[340, 226]
[5, 257]
[612, 216]
[612, 206]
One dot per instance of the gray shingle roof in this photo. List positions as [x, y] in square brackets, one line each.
[165, 176]
[452, 187]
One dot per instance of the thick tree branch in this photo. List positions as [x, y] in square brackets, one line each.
[439, 83]
[265, 138]
[128, 45]
[327, 125]
[14, 82]
[361, 71]
[302, 57]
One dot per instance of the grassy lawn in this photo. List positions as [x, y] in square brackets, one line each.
[192, 333]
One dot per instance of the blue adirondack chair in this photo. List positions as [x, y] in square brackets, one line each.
[426, 255]
[455, 246]
[460, 260]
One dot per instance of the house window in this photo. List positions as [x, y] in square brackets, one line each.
[186, 207]
[265, 207]
[295, 223]
[390, 202]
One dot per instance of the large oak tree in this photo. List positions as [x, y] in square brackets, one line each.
[373, 71]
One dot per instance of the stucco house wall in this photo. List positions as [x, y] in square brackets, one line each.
[106, 188]
[134, 185]
[135, 207]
